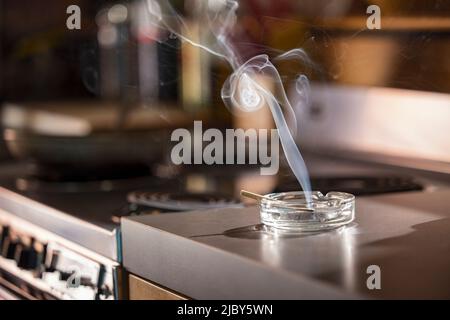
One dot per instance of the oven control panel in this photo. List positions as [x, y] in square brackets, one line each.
[39, 265]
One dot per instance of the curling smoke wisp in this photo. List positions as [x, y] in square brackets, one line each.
[241, 90]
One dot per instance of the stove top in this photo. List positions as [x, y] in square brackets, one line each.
[89, 212]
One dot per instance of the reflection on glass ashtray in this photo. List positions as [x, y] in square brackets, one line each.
[291, 211]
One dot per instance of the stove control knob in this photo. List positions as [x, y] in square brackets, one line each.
[20, 248]
[52, 261]
[9, 247]
[4, 232]
[26, 255]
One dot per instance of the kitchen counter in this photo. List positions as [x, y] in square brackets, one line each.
[226, 254]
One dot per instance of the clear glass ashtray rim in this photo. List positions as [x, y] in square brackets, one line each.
[276, 198]
[323, 218]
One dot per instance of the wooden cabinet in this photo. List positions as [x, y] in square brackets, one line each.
[141, 289]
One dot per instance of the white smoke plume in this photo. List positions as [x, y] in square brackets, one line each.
[241, 90]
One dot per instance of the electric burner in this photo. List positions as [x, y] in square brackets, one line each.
[33, 184]
[358, 185]
[56, 173]
[151, 203]
[181, 201]
[42, 179]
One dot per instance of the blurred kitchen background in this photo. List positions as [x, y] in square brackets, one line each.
[112, 81]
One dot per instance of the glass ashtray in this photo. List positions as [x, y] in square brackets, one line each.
[291, 210]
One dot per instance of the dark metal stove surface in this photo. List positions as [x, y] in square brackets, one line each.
[87, 213]
[92, 218]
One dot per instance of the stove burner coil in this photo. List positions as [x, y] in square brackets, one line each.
[181, 202]
[357, 185]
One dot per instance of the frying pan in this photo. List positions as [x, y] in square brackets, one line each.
[81, 148]
[91, 155]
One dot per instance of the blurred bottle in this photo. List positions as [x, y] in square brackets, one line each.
[116, 54]
[139, 61]
[196, 62]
